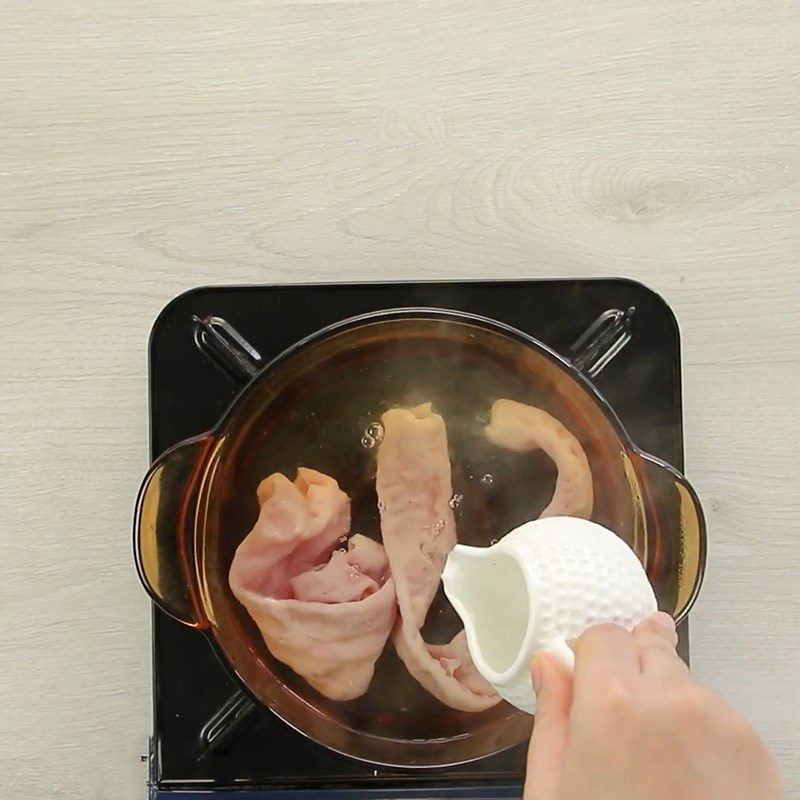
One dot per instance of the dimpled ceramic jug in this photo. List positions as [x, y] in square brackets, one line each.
[538, 588]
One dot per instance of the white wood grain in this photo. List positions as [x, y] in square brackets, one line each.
[149, 147]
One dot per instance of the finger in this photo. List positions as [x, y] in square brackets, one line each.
[553, 685]
[604, 653]
[656, 640]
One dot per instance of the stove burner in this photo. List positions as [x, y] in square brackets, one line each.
[208, 734]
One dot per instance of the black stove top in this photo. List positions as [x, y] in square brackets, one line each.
[208, 736]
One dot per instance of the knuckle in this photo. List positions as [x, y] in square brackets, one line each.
[651, 642]
[596, 634]
[618, 701]
[691, 706]
[649, 626]
[654, 633]
[741, 733]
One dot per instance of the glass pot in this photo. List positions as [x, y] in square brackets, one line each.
[317, 405]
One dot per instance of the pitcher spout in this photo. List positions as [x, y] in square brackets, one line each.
[462, 569]
[488, 590]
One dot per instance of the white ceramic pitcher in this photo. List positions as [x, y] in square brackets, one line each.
[537, 589]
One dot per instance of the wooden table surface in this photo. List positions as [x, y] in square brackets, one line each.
[153, 146]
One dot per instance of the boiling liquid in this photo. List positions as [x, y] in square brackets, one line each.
[328, 418]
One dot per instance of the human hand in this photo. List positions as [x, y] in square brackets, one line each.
[631, 724]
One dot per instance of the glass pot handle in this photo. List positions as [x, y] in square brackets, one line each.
[677, 539]
[227, 348]
[164, 530]
[602, 341]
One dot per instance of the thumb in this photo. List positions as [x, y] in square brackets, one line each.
[553, 685]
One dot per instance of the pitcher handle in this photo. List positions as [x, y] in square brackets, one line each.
[164, 531]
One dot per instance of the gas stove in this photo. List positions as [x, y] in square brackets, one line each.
[210, 740]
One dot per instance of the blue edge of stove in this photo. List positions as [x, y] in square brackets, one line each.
[460, 793]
